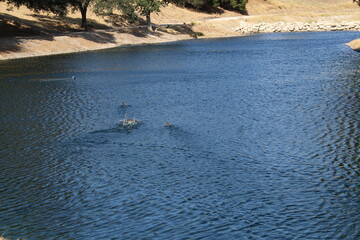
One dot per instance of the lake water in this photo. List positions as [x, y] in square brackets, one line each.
[264, 143]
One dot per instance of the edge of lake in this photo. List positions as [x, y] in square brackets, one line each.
[35, 46]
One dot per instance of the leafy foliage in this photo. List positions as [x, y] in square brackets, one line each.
[148, 6]
[106, 7]
[237, 5]
[129, 8]
[58, 7]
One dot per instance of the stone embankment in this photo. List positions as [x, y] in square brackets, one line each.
[248, 28]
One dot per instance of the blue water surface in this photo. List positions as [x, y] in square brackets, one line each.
[264, 142]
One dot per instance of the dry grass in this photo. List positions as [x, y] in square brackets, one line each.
[304, 17]
[302, 11]
[257, 7]
[174, 14]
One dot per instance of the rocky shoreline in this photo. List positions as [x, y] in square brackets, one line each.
[249, 28]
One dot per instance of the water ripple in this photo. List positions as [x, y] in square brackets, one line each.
[265, 148]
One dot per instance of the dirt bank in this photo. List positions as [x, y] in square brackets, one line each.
[26, 34]
[21, 47]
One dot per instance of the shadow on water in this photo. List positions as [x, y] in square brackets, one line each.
[51, 79]
[103, 138]
[68, 22]
[119, 128]
[123, 106]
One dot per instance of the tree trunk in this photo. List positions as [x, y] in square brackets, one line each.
[83, 9]
[83, 18]
[148, 21]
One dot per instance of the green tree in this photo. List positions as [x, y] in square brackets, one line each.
[106, 7]
[146, 7]
[130, 8]
[59, 7]
[237, 5]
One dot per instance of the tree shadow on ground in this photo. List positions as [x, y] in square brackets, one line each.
[179, 29]
[37, 28]
[13, 44]
[140, 32]
[14, 31]
[94, 36]
[143, 31]
[14, 26]
[10, 29]
[63, 23]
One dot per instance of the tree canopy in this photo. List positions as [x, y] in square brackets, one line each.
[55, 6]
[237, 5]
[58, 7]
[129, 7]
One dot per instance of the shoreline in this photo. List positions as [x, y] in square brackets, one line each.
[266, 27]
[36, 46]
[28, 34]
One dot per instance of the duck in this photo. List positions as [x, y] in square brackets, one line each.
[129, 121]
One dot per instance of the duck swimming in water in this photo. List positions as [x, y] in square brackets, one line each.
[128, 122]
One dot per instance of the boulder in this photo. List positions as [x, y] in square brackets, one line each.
[354, 45]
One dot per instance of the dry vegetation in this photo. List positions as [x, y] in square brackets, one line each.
[302, 11]
[29, 23]
[43, 34]
[256, 7]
